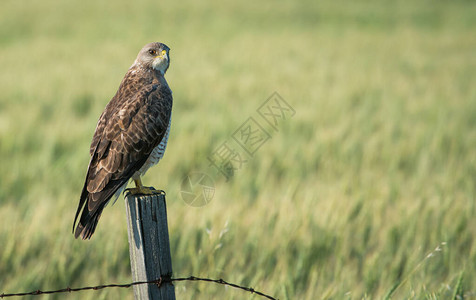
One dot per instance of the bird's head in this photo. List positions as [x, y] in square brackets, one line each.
[154, 56]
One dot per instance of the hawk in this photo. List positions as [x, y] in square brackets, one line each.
[130, 137]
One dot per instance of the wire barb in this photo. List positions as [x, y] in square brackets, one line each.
[159, 281]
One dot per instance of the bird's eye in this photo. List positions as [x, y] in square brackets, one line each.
[152, 52]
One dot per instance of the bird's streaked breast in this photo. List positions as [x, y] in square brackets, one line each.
[157, 153]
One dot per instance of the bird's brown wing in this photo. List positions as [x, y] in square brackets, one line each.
[126, 133]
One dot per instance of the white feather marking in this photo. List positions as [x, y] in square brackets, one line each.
[156, 154]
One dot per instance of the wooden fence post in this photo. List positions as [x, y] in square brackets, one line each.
[149, 246]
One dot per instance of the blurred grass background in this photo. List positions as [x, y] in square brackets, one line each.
[376, 169]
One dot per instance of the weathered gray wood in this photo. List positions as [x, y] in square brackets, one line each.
[149, 245]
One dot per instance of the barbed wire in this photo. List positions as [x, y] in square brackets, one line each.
[158, 282]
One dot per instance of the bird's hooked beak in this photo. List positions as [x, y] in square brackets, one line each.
[161, 62]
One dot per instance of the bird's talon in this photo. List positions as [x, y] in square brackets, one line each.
[143, 190]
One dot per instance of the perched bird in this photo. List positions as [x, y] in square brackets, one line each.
[130, 137]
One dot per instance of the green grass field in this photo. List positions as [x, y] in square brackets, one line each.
[349, 198]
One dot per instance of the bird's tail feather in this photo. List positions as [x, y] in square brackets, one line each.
[88, 222]
[90, 214]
